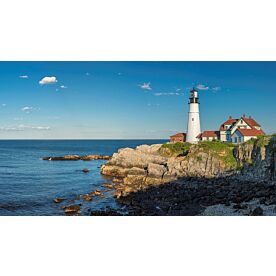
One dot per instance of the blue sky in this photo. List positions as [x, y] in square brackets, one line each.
[128, 100]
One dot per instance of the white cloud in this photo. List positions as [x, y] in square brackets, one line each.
[28, 109]
[48, 80]
[202, 87]
[87, 74]
[24, 77]
[145, 86]
[24, 127]
[63, 87]
[168, 94]
[3, 105]
[210, 88]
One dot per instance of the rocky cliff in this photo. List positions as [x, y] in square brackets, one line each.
[210, 178]
[257, 159]
[157, 164]
[153, 165]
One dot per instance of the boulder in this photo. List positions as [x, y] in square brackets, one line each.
[156, 170]
[72, 209]
[257, 212]
[59, 200]
[87, 197]
[108, 186]
[96, 193]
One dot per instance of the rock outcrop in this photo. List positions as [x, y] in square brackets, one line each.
[154, 165]
[77, 157]
[257, 159]
[149, 165]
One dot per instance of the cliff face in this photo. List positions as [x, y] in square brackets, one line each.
[157, 164]
[257, 159]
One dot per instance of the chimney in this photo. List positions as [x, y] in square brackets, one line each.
[243, 115]
[250, 117]
[230, 117]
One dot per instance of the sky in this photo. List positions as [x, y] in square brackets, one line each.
[130, 100]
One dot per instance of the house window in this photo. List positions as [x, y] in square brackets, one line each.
[236, 140]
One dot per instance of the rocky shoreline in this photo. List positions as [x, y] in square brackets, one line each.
[199, 196]
[204, 179]
[197, 182]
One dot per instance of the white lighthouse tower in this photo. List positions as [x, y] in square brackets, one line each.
[193, 129]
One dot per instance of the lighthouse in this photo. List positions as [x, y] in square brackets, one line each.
[193, 129]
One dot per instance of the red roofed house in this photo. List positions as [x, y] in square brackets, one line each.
[179, 137]
[240, 130]
[208, 135]
[242, 134]
[225, 129]
[234, 130]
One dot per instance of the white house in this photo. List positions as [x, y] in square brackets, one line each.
[240, 130]
[234, 130]
[208, 135]
[242, 135]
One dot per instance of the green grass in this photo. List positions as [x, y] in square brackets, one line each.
[261, 140]
[175, 149]
[223, 151]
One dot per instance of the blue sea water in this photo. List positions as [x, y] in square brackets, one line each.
[28, 184]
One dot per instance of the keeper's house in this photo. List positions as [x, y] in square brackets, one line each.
[240, 130]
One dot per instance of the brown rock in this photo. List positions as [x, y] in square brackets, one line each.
[87, 197]
[117, 179]
[85, 170]
[109, 186]
[96, 193]
[76, 157]
[95, 157]
[59, 199]
[72, 209]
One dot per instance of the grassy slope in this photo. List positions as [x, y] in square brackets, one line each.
[223, 151]
[175, 149]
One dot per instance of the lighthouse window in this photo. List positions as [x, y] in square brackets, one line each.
[193, 119]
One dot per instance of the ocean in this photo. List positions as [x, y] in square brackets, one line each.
[28, 185]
